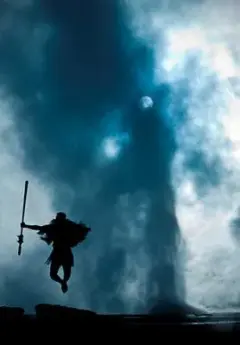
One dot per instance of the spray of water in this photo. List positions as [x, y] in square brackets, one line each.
[197, 53]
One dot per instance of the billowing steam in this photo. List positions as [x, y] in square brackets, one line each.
[157, 181]
[196, 52]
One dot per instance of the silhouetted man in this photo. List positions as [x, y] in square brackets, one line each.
[63, 234]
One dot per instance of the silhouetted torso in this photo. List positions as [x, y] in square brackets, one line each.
[60, 233]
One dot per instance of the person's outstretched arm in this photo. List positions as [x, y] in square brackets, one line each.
[31, 227]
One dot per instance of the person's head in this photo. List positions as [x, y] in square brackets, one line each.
[60, 216]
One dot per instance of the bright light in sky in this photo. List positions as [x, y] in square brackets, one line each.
[111, 147]
[146, 102]
[113, 144]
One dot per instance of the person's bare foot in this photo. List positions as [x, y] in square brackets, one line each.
[64, 287]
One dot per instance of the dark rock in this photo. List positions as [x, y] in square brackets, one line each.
[11, 313]
[57, 312]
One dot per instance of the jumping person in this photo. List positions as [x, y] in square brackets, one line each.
[63, 234]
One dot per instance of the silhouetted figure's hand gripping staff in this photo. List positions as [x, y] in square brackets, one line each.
[62, 234]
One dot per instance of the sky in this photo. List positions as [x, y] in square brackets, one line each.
[159, 185]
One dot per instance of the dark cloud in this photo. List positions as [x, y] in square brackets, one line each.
[92, 66]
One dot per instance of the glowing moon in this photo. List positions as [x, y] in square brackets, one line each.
[146, 102]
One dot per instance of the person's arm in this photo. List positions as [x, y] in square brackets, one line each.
[32, 227]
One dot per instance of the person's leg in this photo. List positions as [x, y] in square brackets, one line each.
[66, 276]
[54, 268]
[67, 270]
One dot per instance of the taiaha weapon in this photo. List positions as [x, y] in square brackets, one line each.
[20, 237]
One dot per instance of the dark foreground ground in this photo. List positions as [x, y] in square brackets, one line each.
[68, 321]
